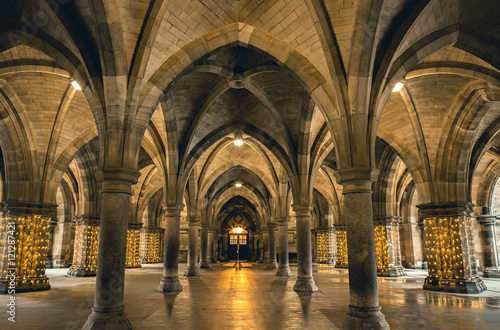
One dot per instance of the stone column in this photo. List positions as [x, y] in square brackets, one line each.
[283, 268]
[108, 311]
[170, 280]
[265, 246]
[305, 280]
[86, 248]
[491, 264]
[24, 240]
[449, 247]
[192, 264]
[52, 225]
[364, 309]
[271, 263]
[204, 247]
[210, 248]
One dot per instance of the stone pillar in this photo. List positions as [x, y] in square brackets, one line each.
[24, 240]
[133, 244]
[108, 311]
[449, 247]
[491, 263]
[204, 247]
[342, 259]
[170, 280]
[305, 280]
[265, 246]
[150, 249]
[86, 248]
[272, 264]
[192, 264]
[387, 248]
[283, 268]
[364, 309]
[210, 248]
[50, 262]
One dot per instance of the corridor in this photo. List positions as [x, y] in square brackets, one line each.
[251, 297]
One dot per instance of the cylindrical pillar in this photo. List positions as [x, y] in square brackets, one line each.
[170, 280]
[108, 311]
[272, 264]
[192, 266]
[283, 268]
[364, 309]
[204, 247]
[305, 280]
[265, 246]
[491, 263]
[210, 248]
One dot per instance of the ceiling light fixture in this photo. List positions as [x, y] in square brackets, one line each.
[75, 85]
[398, 86]
[238, 139]
[238, 185]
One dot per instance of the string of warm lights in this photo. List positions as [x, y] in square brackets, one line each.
[86, 249]
[326, 246]
[32, 240]
[132, 254]
[342, 261]
[150, 246]
[381, 249]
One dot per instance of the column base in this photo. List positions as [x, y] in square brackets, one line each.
[134, 266]
[284, 272]
[107, 319]
[393, 272]
[305, 284]
[75, 271]
[169, 284]
[474, 285]
[204, 264]
[492, 272]
[150, 261]
[365, 318]
[28, 285]
[272, 265]
[192, 271]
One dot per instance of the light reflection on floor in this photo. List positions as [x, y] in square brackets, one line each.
[246, 295]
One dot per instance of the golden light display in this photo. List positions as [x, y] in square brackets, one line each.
[133, 242]
[449, 249]
[30, 253]
[342, 261]
[86, 249]
[326, 246]
[381, 250]
[150, 246]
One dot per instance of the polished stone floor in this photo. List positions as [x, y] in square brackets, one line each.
[250, 297]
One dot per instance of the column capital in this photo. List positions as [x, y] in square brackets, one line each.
[117, 179]
[272, 225]
[172, 210]
[302, 210]
[282, 220]
[23, 208]
[193, 220]
[445, 209]
[134, 225]
[487, 219]
[357, 179]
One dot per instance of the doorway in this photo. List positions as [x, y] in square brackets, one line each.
[238, 243]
